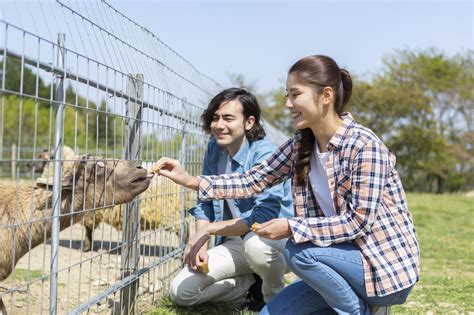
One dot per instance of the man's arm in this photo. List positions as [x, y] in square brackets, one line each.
[196, 251]
[233, 227]
[199, 225]
[203, 212]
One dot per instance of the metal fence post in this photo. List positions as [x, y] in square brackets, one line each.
[58, 156]
[2, 110]
[130, 217]
[13, 163]
[183, 190]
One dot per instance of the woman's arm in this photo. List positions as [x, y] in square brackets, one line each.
[270, 172]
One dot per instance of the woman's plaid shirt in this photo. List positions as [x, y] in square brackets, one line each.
[368, 198]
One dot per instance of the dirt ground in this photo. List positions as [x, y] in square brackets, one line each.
[83, 276]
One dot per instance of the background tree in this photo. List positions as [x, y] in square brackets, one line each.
[421, 104]
[36, 113]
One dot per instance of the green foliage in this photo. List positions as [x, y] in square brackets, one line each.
[415, 105]
[28, 114]
[23, 119]
[276, 112]
[33, 85]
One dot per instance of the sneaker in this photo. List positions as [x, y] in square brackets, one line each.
[254, 296]
[381, 310]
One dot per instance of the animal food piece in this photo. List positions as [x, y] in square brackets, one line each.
[204, 267]
[255, 226]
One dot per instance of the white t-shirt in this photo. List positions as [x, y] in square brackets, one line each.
[318, 179]
[230, 202]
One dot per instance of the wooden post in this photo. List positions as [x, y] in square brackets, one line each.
[130, 217]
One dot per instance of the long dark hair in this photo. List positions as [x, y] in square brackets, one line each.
[318, 72]
[250, 108]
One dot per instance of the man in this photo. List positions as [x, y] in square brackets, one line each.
[237, 144]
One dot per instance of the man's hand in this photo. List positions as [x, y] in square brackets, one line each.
[195, 253]
[275, 229]
[202, 260]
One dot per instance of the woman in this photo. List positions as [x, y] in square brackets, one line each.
[352, 240]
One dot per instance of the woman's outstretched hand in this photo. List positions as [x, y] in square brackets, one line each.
[173, 170]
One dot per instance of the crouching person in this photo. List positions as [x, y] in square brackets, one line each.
[242, 264]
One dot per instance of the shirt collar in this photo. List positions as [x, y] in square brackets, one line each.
[241, 155]
[338, 138]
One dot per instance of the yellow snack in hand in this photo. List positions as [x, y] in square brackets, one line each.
[156, 170]
[204, 267]
[255, 226]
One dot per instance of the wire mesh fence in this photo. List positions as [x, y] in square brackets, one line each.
[89, 101]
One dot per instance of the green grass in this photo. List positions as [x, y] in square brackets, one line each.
[21, 275]
[168, 307]
[445, 229]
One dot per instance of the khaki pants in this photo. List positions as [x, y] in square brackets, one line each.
[231, 268]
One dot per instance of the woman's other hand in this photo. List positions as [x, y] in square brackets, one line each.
[275, 229]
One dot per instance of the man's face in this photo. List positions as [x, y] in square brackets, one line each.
[228, 125]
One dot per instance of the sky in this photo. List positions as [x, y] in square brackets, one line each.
[262, 39]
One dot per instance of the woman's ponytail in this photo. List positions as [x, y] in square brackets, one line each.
[346, 88]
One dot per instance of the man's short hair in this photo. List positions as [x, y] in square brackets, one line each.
[250, 108]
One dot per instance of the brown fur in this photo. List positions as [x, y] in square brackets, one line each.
[155, 211]
[26, 211]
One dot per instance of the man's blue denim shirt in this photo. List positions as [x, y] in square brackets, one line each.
[272, 203]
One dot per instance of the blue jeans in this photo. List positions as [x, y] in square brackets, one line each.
[332, 282]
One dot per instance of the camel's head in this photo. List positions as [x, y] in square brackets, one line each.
[105, 182]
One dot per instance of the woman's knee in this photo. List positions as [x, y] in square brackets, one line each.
[294, 254]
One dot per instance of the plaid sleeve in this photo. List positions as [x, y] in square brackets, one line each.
[370, 170]
[270, 172]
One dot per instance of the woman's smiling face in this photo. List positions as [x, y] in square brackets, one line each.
[303, 103]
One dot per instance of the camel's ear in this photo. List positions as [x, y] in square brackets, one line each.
[70, 174]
